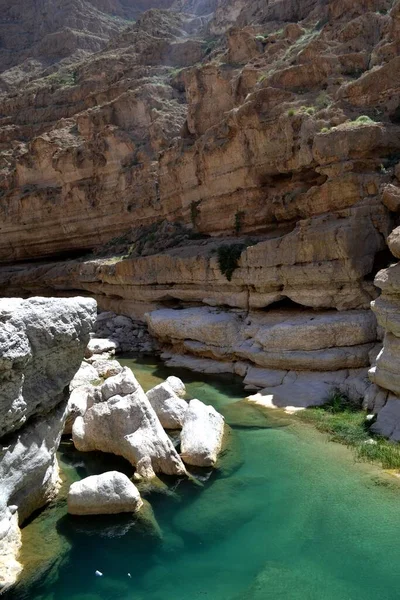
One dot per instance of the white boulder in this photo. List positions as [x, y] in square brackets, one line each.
[177, 385]
[42, 342]
[78, 403]
[129, 427]
[169, 408]
[105, 367]
[109, 493]
[120, 385]
[202, 435]
[86, 375]
[100, 346]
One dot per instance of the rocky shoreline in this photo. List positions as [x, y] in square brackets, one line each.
[43, 342]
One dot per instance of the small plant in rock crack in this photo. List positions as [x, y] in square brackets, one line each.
[239, 217]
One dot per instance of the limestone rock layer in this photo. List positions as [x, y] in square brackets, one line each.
[42, 343]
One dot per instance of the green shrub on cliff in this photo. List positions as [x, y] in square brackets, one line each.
[228, 258]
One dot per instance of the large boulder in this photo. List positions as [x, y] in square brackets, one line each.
[129, 427]
[78, 403]
[120, 385]
[202, 435]
[42, 343]
[108, 493]
[169, 408]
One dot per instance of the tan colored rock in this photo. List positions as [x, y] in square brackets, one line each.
[394, 242]
[283, 340]
[391, 197]
[387, 373]
[387, 311]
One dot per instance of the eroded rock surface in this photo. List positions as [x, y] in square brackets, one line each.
[42, 343]
[108, 493]
[202, 435]
[127, 425]
[167, 405]
[221, 154]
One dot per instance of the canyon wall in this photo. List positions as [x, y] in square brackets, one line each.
[39, 35]
[230, 174]
[42, 344]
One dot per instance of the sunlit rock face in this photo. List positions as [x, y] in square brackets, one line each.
[42, 343]
[227, 117]
[39, 34]
[264, 131]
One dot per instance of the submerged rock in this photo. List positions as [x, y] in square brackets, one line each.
[202, 435]
[109, 493]
[219, 509]
[169, 408]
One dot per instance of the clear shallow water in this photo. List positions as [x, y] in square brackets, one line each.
[288, 517]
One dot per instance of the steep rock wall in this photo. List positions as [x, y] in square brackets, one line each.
[256, 129]
[42, 343]
[269, 130]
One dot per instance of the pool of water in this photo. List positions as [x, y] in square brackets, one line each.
[288, 516]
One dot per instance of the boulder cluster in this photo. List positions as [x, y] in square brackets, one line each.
[118, 417]
[124, 334]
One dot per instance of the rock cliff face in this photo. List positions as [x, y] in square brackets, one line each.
[42, 343]
[39, 34]
[225, 154]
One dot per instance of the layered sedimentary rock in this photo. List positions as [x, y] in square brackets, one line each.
[42, 345]
[295, 355]
[37, 35]
[384, 395]
[225, 155]
[257, 129]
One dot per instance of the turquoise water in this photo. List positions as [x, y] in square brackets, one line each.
[288, 516]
